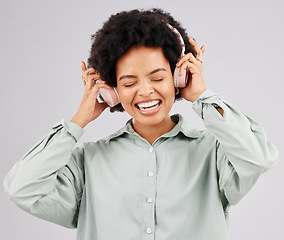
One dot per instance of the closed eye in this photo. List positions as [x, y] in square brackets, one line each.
[158, 80]
[129, 85]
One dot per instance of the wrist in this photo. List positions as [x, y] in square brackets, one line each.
[195, 96]
[80, 122]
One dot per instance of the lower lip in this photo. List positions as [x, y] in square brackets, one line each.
[150, 112]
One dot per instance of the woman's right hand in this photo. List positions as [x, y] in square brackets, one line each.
[89, 108]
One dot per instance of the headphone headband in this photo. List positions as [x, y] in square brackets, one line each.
[179, 38]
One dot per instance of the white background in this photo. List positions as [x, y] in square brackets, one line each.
[43, 42]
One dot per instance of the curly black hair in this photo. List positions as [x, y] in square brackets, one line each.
[135, 28]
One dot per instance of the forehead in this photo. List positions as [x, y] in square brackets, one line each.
[141, 58]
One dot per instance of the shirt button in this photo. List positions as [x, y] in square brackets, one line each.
[150, 200]
[151, 149]
[150, 174]
[149, 230]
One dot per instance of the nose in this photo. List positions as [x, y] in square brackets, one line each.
[145, 89]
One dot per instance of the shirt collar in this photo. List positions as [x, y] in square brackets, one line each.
[182, 126]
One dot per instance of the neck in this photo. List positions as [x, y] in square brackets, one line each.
[152, 132]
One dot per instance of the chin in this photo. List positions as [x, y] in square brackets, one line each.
[151, 120]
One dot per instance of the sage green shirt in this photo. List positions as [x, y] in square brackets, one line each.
[123, 188]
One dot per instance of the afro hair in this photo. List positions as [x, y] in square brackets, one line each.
[135, 28]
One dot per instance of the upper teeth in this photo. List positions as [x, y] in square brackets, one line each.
[148, 104]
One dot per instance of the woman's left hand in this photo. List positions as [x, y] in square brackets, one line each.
[195, 85]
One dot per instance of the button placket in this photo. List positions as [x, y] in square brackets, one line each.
[151, 149]
[150, 193]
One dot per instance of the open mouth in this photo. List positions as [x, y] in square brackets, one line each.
[148, 106]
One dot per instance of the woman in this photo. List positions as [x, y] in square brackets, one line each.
[158, 177]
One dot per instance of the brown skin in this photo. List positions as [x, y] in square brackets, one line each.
[196, 84]
[144, 75]
[89, 108]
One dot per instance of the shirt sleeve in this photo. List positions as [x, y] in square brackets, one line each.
[243, 152]
[48, 181]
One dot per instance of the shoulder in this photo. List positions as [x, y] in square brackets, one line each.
[104, 142]
[191, 133]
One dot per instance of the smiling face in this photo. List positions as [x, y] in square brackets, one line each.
[145, 86]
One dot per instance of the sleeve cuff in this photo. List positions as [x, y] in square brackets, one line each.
[72, 128]
[207, 97]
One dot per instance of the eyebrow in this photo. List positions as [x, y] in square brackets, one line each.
[133, 76]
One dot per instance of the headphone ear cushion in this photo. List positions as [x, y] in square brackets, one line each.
[110, 96]
[180, 81]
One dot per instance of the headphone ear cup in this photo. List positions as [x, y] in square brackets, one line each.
[180, 81]
[110, 96]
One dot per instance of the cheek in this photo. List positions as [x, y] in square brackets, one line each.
[125, 96]
[169, 90]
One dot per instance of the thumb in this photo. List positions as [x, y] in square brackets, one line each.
[83, 66]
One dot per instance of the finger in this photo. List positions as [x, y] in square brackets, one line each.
[200, 56]
[90, 75]
[95, 90]
[199, 51]
[97, 86]
[195, 46]
[182, 60]
[102, 85]
[186, 58]
[93, 78]
[87, 73]
[188, 66]
[88, 82]
[183, 68]
[91, 71]
[83, 66]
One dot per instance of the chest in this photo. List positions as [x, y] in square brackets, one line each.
[179, 170]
